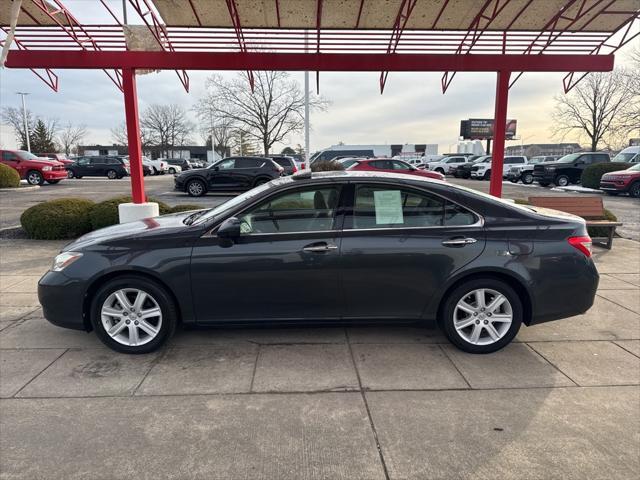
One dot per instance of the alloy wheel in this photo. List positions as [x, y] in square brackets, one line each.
[196, 189]
[34, 178]
[562, 181]
[527, 179]
[112, 174]
[482, 316]
[131, 317]
[634, 191]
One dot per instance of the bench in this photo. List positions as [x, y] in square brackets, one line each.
[589, 208]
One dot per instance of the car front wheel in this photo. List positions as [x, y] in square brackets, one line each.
[527, 179]
[482, 315]
[634, 191]
[196, 188]
[70, 174]
[112, 174]
[561, 181]
[34, 177]
[133, 315]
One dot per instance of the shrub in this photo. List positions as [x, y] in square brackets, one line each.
[57, 219]
[593, 173]
[185, 208]
[326, 166]
[105, 213]
[9, 177]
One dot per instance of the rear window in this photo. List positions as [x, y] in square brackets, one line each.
[249, 162]
[283, 162]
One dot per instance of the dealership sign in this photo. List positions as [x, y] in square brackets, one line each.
[482, 129]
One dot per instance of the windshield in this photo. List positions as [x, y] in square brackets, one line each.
[482, 160]
[635, 168]
[24, 155]
[624, 157]
[569, 158]
[200, 217]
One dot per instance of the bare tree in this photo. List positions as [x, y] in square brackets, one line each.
[119, 136]
[597, 107]
[214, 121]
[70, 136]
[273, 111]
[13, 117]
[168, 125]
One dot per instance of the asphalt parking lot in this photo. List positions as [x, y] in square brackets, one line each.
[13, 203]
[384, 402]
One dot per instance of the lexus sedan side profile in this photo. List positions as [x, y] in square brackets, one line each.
[367, 247]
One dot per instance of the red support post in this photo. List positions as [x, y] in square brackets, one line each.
[499, 127]
[133, 134]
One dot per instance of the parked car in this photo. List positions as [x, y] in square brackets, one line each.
[629, 154]
[35, 170]
[59, 157]
[157, 166]
[348, 161]
[232, 263]
[110, 167]
[390, 165]
[568, 169]
[446, 165]
[288, 163]
[524, 172]
[416, 162]
[622, 181]
[231, 174]
[464, 170]
[183, 163]
[482, 171]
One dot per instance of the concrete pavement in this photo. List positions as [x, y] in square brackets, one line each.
[383, 402]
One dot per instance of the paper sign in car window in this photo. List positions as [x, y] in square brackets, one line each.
[388, 207]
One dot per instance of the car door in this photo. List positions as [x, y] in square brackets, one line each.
[400, 244]
[284, 265]
[221, 175]
[247, 170]
[95, 167]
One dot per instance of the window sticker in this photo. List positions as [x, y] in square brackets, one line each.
[388, 207]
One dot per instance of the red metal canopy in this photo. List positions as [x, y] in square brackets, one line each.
[506, 36]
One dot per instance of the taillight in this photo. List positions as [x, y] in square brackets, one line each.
[302, 166]
[295, 168]
[581, 243]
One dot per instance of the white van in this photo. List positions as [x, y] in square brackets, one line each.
[628, 155]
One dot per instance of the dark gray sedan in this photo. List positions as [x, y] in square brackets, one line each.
[328, 247]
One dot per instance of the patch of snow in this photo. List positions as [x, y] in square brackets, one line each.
[576, 188]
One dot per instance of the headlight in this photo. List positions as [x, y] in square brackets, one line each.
[63, 260]
[46, 169]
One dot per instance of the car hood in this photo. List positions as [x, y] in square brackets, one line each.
[149, 227]
[624, 173]
[45, 161]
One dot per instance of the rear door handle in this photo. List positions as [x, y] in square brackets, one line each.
[458, 242]
[320, 247]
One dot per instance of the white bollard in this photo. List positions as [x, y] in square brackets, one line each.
[131, 212]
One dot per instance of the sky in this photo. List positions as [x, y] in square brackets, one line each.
[411, 110]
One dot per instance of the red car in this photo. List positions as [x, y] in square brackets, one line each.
[622, 181]
[392, 165]
[34, 170]
[60, 157]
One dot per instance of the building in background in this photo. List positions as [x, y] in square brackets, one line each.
[539, 149]
[474, 146]
[199, 152]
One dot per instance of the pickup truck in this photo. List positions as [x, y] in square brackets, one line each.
[568, 169]
[482, 171]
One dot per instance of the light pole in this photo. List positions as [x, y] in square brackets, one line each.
[306, 106]
[24, 118]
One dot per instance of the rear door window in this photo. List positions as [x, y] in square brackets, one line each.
[249, 163]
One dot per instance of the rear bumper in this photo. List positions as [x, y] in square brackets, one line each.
[62, 299]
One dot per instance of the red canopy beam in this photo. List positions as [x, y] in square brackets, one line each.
[133, 135]
[330, 62]
[406, 7]
[235, 19]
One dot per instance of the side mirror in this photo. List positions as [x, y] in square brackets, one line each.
[230, 229]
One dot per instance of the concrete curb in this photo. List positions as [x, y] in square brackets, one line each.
[20, 189]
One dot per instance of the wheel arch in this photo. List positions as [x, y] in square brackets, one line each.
[98, 282]
[512, 280]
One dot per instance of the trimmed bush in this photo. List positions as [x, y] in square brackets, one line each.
[326, 166]
[105, 214]
[185, 208]
[9, 177]
[593, 173]
[57, 219]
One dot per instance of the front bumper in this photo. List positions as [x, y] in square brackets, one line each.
[55, 174]
[62, 300]
[547, 177]
[477, 174]
[613, 186]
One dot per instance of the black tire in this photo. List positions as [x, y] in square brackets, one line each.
[527, 178]
[34, 177]
[53, 182]
[487, 175]
[154, 171]
[172, 170]
[196, 188]
[459, 293]
[70, 174]
[561, 181]
[260, 181]
[544, 184]
[159, 294]
[112, 174]
[634, 189]
[440, 170]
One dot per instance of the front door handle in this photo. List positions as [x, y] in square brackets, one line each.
[458, 242]
[320, 247]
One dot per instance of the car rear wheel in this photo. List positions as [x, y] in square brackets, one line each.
[172, 171]
[527, 178]
[196, 188]
[112, 174]
[133, 315]
[440, 170]
[561, 181]
[634, 191]
[34, 177]
[482, 315]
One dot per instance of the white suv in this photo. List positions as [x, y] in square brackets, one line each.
[482, 171]
[446, 165]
